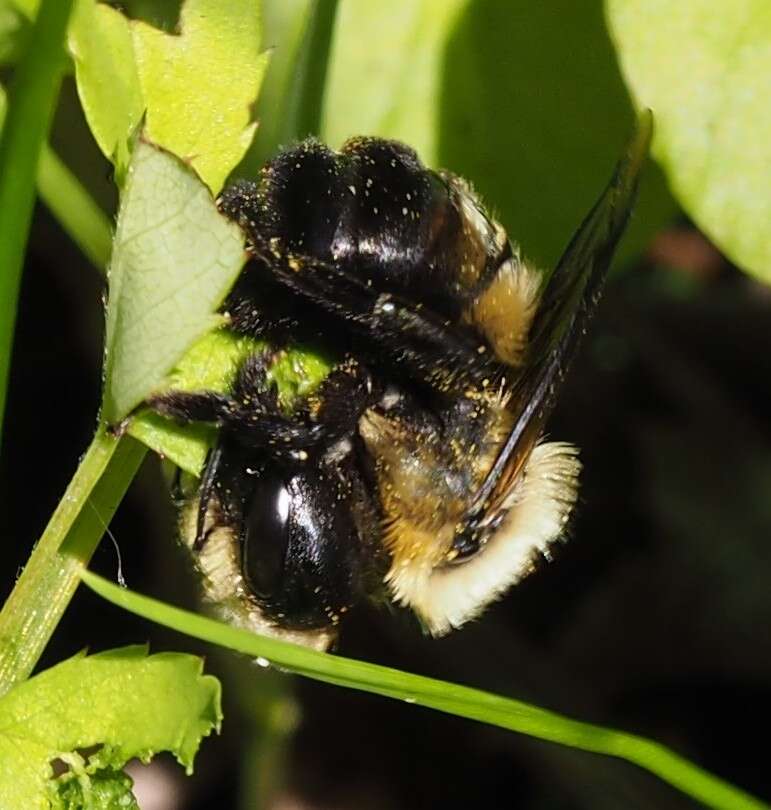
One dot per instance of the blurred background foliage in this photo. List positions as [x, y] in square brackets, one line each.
[654, 616]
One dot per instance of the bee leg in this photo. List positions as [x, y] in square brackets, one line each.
[342, 397]
[176, 490]
[186, 406]
[330, 414]
[260, 307]
[252, 391]
[252, 415]
[446, 357]
[208, 485]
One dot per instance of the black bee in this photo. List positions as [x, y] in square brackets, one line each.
[415, 473]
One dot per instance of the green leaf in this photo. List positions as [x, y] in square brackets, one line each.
[386, 73]
[293, 93]
[196, 88]
[704, 70]
[174, 259]
[200, 85]
[104, 790]
[452, 698]
[132, 704]
[209, 365]
[102, 48]
[523, 99]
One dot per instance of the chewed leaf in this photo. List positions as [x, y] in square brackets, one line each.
[195, 88]
[102, 789]
[102, 49]
[174, 260]
[199, 85]
[704, 70]
[124, 701]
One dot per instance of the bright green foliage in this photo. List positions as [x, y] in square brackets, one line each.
[174, 259]
[526, 101]
[101, 44]
[386, 73]
[195, 88]
[106, 789]
[199, 86]
[284, 22]
[523, 99]
[132, 704]
[705, 70]
[209, 365]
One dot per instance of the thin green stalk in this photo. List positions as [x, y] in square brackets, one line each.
[269, 715]
[305, 99]
[53, 570]
[514, 715]
[74, 208]
[31, 98]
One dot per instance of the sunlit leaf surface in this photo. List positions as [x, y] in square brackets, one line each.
[705, 70]
[195, 88]
[174, 259]
[131, 704]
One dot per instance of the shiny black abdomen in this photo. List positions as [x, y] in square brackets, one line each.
[300, 540]
[374, 211]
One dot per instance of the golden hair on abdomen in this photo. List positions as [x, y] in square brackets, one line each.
[447, 596]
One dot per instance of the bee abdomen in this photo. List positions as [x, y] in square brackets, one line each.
[376, 212]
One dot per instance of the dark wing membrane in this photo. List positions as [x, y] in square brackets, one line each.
[566, 307]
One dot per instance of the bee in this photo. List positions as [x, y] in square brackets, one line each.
[416, 473]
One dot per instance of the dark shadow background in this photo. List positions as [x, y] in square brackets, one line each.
[653, 618]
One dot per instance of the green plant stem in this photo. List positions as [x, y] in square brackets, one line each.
[268, 716]
[31, 98]
[52, 573]
[463, 701]
[74, 208]
[305, 99]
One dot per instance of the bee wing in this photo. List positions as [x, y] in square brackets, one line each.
[566, 306]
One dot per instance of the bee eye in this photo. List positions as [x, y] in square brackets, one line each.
[266, 535]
